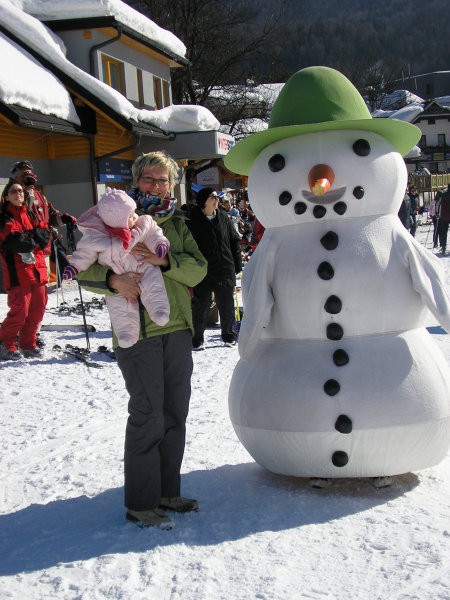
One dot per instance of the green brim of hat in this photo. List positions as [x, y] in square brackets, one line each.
[402, 135]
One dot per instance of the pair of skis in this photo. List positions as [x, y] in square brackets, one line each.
[83, 354]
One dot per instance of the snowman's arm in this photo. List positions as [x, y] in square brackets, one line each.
[428, 279]
[257, 300]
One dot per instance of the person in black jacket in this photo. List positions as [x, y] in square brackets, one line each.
[219, 243]
[404, 212]
[444, 219]
[414, 206]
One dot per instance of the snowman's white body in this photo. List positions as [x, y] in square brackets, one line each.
[294, 407]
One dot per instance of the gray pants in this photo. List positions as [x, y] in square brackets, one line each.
[157, 373]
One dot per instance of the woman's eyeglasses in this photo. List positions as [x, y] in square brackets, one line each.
[153, 181]
[16, 190]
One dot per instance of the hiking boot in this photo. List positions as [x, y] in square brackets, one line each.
[198, 343]
[31, 352]
[230, 344]
[9, 354]
[179, 504]
[149, 518]
[382, 482]
[229, 340]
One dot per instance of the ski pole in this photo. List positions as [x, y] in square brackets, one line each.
[436, 233]
[56, 267]
[428, 233]
[58, 274]
[83, 312]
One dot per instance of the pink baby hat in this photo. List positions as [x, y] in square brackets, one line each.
[114, 208]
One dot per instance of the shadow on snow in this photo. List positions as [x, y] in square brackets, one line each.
[236, 501]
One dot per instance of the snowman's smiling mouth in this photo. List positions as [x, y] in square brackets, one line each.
[327, 198]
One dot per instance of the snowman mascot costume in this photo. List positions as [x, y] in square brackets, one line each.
[338, 376]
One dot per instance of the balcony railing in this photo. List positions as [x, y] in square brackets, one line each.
[429, 183]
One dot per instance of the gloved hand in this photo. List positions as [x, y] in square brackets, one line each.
[70, 272]
[41, 236]
[162, 249]
[66, 218]
[19, 242]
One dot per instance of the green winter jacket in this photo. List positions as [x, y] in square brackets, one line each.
[187, 268]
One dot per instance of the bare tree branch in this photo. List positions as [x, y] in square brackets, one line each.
[225, 41]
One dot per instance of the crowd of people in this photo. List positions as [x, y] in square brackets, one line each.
[239, 211]
[413, 208]
[439, 212]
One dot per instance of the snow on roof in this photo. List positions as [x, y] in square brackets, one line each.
[407, 113]
[49, 46]
[415, 152]
[181, 118]
[54, 10]
[269, 91]
[35, 87]
[399, 98]
[264, 92]
[443, 101]
[245, 127]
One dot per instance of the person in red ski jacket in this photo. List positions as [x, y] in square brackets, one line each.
[22, 241]
[39, 207]
[40, 210]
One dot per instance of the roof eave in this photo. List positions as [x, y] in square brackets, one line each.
[111, 21]
[33, 119]
[429, 112]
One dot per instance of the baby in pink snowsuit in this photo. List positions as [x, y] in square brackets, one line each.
[110, 231]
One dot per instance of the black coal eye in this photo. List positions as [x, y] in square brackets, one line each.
[358, 192]
[276, 163]
[361, 147]
[284, 198]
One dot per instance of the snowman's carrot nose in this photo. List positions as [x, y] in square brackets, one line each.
[320, 179]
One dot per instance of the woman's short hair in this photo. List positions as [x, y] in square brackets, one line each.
[155, 159]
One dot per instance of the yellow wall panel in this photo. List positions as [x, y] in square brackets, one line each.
[33, 143]
[110, 139]
[67, 146]
[22, 142]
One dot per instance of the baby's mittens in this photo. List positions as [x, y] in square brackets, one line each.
[162, 249]
[70, 272]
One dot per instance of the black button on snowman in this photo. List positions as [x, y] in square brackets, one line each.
[335, 377]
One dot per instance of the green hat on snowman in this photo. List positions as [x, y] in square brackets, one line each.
[318, 99]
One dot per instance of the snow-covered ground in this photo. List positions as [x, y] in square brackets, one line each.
[257, 535]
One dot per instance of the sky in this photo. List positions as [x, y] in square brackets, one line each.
[51, 97]
[256, 536]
